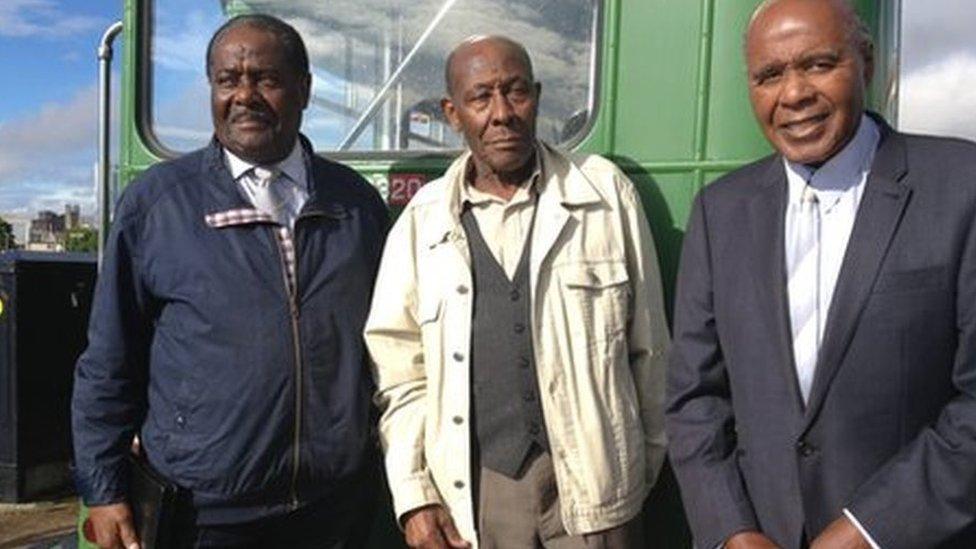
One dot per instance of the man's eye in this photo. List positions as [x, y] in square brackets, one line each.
[766, 77]
[225, 81]
[821, 66]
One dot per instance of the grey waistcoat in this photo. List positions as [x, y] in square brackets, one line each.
[507, 413]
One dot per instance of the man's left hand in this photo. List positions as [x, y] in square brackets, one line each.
[840, 534]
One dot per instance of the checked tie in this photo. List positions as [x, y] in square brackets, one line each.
[803, 270]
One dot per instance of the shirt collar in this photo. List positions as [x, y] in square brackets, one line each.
[842, 172]
[469, 194]
[293, 166]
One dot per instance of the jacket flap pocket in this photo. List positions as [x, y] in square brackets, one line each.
[595, 275]
[910, 280]
[428, 310]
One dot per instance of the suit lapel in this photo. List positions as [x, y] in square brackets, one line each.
[767, 218]
[877, 219]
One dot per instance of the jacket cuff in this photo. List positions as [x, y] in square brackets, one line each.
[415, 491]
[857, 524]
[101, 486]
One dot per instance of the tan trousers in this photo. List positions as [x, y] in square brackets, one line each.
[524, 514]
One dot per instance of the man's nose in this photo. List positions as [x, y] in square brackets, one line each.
[246, 91]
[797, 90]
[501, 109]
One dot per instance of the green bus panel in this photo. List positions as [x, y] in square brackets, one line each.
[655, 79]
[732, 132]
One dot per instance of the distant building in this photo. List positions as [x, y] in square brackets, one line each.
[47, 230]
[72, 216]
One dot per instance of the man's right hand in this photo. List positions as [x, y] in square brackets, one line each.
[432, 527]
[113, 526]
[750, 540]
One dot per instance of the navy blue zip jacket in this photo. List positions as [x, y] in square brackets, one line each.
[255, 400]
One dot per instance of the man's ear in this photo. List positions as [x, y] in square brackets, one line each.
[867, 57]
[307, 89]
[450, 113]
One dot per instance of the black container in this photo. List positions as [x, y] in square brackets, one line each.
[46, 299]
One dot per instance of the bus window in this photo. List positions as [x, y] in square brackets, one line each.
[377, 66]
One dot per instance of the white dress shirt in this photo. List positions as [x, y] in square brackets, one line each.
[839, 185]
[292, 181]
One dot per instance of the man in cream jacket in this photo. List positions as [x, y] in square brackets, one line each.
[518, 334]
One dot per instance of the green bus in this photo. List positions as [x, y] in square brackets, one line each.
[657, 86]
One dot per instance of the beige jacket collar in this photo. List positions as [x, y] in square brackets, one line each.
[562, 187]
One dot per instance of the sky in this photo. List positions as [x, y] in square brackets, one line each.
[48, 108]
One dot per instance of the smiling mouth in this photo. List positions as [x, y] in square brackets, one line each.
[248, 120]
[803, 127]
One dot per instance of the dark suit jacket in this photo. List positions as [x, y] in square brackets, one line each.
[890, 429]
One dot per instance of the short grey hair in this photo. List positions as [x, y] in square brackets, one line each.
[857, 30]
[474, 39]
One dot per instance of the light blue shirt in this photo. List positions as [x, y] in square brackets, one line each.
[839, 185]
[292, 182]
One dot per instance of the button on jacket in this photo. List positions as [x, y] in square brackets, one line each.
[599, 337]
[250, 394]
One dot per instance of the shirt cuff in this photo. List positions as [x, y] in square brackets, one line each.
[850, 516]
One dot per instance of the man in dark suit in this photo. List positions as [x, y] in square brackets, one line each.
[822, 384]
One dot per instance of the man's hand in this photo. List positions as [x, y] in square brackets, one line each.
[750, 540]
[840, 534]
[113, 526]
[432, 527]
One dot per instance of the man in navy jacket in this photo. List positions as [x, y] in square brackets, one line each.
[226, 327]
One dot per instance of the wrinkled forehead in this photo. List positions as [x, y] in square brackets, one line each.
[786, 26]
[248, 42]
[487, 60]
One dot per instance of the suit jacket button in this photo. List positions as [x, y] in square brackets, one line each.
[805, 449]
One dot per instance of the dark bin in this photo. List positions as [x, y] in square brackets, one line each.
[46, 299]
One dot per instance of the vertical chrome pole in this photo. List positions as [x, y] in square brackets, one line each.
[104, 137]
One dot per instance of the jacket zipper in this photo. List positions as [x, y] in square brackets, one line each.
[297, 343]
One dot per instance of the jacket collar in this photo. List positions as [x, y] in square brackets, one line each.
[226, 196]
[562, 185]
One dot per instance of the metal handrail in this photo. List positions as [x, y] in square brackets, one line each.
[104, 137]
[377, 101]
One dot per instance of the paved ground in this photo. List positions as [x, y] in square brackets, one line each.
[43, 525]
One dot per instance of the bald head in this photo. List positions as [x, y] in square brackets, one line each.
[469, 48]
[856, 31]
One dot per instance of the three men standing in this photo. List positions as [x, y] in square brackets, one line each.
[822, 384]
[226, 330]
[518, 334]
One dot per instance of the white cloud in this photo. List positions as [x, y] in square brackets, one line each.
[180, 40]
[939, 98]
[41, 18]
[934, 30]
[46, 157]
[56, 130]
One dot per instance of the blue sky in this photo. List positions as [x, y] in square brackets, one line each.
[46, 49]
[48, 107]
